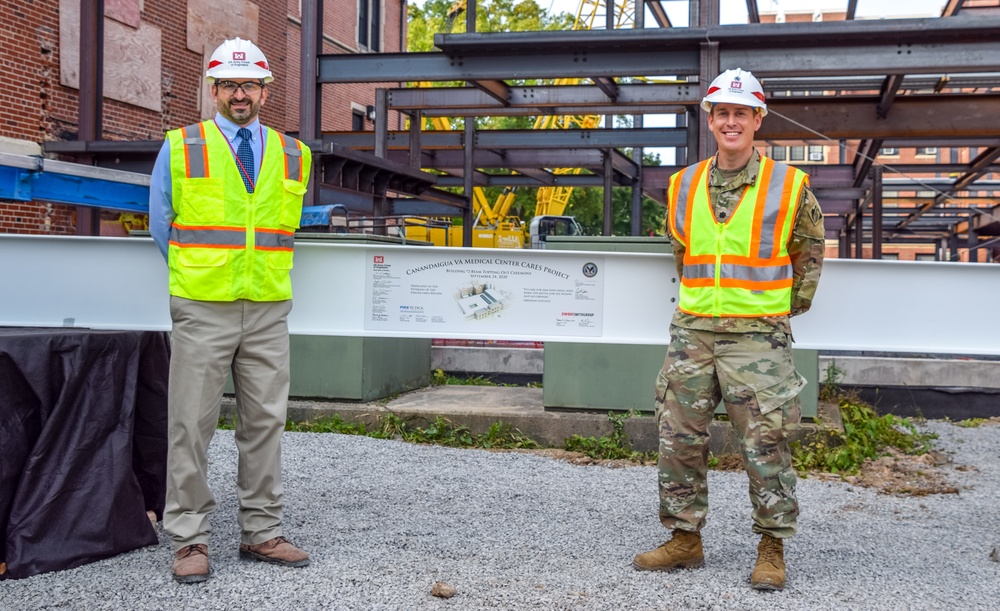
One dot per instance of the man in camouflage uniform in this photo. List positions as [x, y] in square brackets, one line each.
[730, 336]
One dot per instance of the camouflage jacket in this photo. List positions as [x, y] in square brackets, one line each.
[805, 249]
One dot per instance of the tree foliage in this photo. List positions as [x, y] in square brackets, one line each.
[444, 16]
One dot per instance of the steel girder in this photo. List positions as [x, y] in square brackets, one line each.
[892, 46]
[401, 67]
[779, 36]
[546, 99]
[521, 139]
[927, 116]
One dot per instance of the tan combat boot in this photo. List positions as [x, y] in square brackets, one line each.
[769, 574]
[683, 551]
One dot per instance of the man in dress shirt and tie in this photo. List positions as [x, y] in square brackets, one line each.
[225, 200]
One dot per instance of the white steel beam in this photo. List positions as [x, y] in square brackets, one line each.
[121, 283]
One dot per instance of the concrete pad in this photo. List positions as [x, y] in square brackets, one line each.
[498, 400]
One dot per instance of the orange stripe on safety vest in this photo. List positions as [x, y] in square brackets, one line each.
[750, 285]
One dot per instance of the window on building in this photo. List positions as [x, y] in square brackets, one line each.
[927, 150]
[924, 256]
[888, 151]
[357, 120]
[815, 153]
[797, 153]
[890, 256]
[779, 153]
[370, 24]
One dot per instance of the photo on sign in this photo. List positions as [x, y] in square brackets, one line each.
[478, 300]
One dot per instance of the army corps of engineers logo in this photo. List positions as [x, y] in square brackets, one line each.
[590, 269]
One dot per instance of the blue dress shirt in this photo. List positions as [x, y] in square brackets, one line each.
[161, 207]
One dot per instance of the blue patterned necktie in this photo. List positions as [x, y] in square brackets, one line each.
[245, 155]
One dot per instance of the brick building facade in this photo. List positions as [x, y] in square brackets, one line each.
[154, 62]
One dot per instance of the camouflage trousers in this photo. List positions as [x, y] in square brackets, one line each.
[754, 375]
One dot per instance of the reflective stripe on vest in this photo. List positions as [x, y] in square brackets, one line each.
[230, 237]
[293, 157]
[195, 151]
[740, 267]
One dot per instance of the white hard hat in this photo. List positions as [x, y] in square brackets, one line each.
[238, 58]
[735, 87]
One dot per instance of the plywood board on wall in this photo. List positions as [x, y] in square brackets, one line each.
[132, 58]
[212, 21]
[125, 11]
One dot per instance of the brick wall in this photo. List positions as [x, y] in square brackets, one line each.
[34, 107]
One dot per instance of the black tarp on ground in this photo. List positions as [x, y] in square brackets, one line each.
[83, 422]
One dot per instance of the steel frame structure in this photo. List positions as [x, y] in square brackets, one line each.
[885, 83]
[904, 82]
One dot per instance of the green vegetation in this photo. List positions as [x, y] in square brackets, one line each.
[971, 423]
[440, 378]
[866, 435]
[441, 432]
[442, 16]
[614, 446]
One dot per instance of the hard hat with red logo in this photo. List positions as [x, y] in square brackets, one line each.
[238, 58]
[735, 87]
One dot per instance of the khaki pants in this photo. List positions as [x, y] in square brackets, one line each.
[754, 375]
[209, 339]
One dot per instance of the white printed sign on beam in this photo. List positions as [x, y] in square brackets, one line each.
[484, 293]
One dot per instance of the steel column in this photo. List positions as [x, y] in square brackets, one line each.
[381, 123]
[636, 216]
[877, 213]
[310, 93]
[91, 100]
[416, 128]
[608, 201]
[710, 68]
[972, 236]
[859, 230]
[467, 188]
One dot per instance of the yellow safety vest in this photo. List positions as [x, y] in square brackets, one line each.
[227, 244]
[739, 268]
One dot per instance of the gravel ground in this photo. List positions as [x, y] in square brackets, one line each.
[384, 520]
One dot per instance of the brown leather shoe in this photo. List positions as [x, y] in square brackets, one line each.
[683, 551]
[277, 550]
[769, 574]
[191, 564]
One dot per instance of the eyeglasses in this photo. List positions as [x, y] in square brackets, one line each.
[230, 87]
